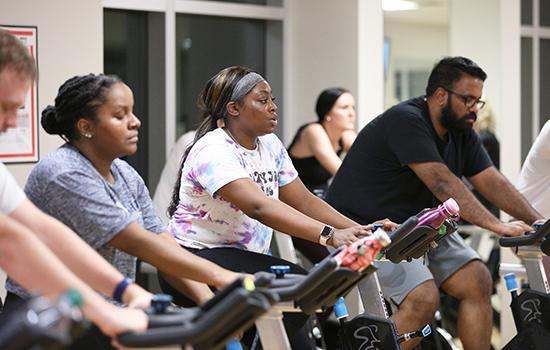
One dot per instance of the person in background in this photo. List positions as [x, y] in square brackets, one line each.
[38, 251]
[169, 175]
[317, 148]
[485, 128]
[534, 178]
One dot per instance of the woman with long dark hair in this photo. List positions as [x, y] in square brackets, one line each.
[316, 151]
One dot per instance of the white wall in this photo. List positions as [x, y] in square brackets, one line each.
[413, 45]
[321, 53]
[70, 42]
[327, 45]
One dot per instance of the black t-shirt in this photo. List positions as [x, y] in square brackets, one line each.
[375, 182]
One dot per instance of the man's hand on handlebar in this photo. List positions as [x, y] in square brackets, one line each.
[113, 320]
[388, 224]
[513, 228]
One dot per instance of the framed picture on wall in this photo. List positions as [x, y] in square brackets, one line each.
[20, 144]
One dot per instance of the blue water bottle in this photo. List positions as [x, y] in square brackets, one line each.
[233, 344]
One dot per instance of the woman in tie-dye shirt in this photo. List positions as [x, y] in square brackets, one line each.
[237, 183]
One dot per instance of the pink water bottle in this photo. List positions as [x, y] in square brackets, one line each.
[361, 253]
[435, 217]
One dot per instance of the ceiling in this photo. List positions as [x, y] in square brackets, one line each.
[433, 12]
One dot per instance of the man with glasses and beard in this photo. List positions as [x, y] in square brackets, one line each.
[413, 156]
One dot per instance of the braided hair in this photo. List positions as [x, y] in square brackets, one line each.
[79, 97]
[212, 102]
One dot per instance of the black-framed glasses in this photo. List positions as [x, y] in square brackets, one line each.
[469, 101]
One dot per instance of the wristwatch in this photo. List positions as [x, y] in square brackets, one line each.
[326, 234]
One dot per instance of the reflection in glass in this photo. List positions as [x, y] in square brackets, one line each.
[205, 45]
[544, 82]
[544, 8]
[526, 95]
[125, 55]
[527, 12]
[254, 2]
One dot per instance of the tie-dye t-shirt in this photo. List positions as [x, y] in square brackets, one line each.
[204, 219]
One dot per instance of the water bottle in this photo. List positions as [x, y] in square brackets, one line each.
[40, 321]
[360, 254]
[341, 311]
[512, 287]
[233, 344]
[70, 313]
[435, 217]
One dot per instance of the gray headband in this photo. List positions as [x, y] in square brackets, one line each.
[246, 84]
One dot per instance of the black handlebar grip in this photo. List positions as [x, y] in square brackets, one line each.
[263, 279]
[300, 285]
[238, 283]
[403, 229]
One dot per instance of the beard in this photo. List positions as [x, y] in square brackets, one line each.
[450, 120]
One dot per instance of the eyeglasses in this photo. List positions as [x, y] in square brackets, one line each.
[469, 101]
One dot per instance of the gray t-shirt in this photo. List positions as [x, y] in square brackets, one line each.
[67, 186]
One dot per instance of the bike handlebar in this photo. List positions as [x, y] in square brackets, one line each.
[207, 330]
[403, 229]
[208, 326]
[530, 238]
[294, 286]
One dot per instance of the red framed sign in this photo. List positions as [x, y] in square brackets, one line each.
[20, 144]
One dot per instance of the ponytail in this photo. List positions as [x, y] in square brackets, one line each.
[212, 101]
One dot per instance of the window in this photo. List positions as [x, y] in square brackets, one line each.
[166, 50]
[535, 70]
[204, 46]
[125, 55]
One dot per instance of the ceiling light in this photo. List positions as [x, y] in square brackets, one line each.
[398, 5]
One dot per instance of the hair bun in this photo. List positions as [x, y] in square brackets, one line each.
[49, 120]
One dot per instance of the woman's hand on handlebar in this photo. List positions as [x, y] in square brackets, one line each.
[137, 297]
[513, 228]
[224, 277]
[348, 235]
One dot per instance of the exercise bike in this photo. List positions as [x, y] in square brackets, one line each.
[412, 243]
[531, 308]
[207, 327]
[333, 278]
[42, 324]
